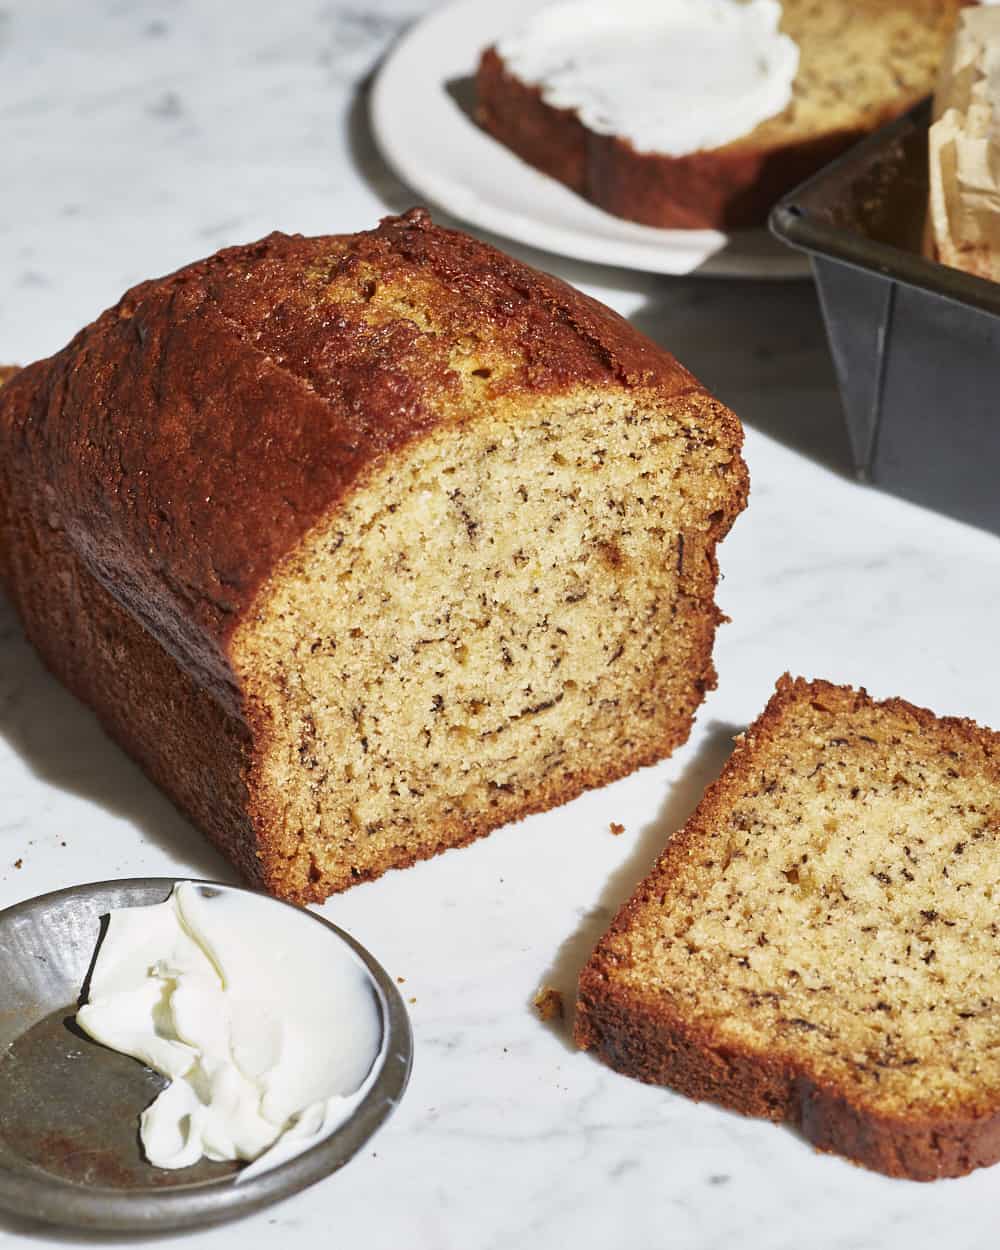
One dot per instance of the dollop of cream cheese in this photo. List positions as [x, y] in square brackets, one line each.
[671, 76]
[266, 1024]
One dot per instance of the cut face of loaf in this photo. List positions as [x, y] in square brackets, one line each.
[508, 614]
[820, 942]
[394, 540]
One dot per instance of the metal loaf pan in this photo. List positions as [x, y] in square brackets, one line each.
[916, 344]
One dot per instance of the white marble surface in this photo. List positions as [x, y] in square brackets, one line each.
[138, 134]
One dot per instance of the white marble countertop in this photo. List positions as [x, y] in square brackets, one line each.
[138, 134]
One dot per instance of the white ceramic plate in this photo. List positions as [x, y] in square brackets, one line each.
[428, 137]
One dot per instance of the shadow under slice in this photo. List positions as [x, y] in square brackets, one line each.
[682, 797]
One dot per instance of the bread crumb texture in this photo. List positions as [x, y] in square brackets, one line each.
[500, 618]
[820, 942]
[549, 1003]
[365, 545]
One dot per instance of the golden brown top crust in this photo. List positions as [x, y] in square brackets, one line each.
[189, 437]
[827, 697]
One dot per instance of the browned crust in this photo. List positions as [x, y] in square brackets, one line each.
[190, 437]
[727, 188]
[647, 1038]
[157, 471]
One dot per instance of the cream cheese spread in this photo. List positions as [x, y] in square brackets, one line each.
[265, 1023]
[671, 76]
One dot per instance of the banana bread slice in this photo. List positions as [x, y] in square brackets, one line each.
[365, 545]
[820, 943]
[861, 62]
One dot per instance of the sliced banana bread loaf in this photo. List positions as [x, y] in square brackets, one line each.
[366, 545]
[820, 943]
[861, 62]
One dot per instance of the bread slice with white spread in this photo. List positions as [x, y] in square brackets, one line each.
[702, 113]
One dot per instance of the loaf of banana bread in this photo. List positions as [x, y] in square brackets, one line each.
[365, 545]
